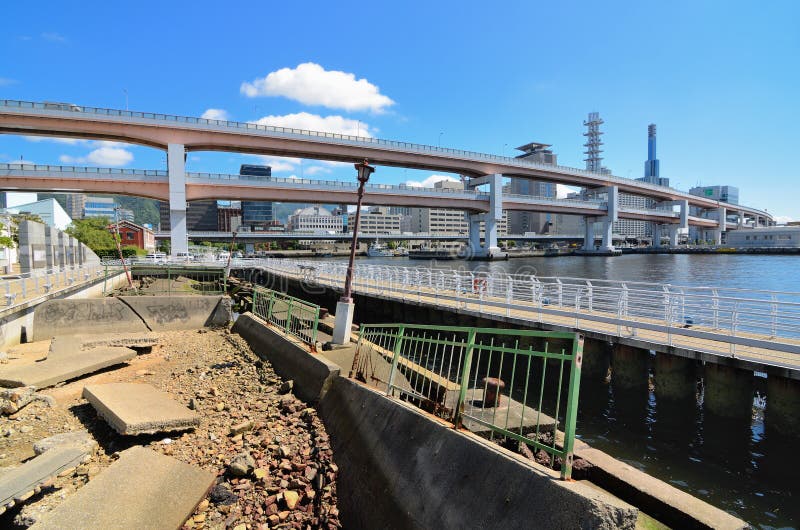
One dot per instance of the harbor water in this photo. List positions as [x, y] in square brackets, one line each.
[736, 466]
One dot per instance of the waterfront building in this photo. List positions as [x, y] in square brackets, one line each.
[773, 236]
[201, 216]
[256, 214]
[125, 214]
[229, 218]
[522, 222]
[722, 193]
[99, 207]
[47, 209]
[376, 220]
[131, 234]
[315, 220]
[75, 203]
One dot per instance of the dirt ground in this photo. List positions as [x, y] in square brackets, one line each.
[269, 449]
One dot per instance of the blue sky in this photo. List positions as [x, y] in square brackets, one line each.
[720, 79]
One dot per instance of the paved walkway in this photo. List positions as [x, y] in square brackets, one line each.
[716, 344]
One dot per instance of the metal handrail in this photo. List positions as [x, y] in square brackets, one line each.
[738, 318]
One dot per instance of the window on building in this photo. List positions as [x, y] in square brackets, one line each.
[130, 235]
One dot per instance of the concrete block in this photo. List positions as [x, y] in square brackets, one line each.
[728, 391]
[81, 317]
[629, 367]
[23, 482]
[676, 377]
[80, 439]
[312, 373]
[164, 313]
[783, 406]
[143, 489]
[131, 408]
[58, 368]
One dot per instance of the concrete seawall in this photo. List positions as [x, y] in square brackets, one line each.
[128, 313]
[401, 468]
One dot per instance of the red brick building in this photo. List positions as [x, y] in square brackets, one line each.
[135, 235]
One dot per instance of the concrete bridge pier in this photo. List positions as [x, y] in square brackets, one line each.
[629, 370]
[490, 219]
[783, 406]
[612, 215]
[176, 169]
[675, 378]
[656, 235]
[673, 235]
[596, 360]
[728, 391]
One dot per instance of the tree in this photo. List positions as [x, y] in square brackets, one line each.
[92, 232]
[5, 241]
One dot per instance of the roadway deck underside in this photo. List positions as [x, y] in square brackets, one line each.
[717, 349]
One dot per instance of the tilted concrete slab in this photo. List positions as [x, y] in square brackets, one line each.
[143, 489]
[164, 313]
[509, 414]
[23, 482]
[58, 368]
[132, 408]
[86, 316]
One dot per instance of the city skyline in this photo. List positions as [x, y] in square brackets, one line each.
[717, 93]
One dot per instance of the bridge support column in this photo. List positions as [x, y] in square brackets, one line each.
[676, 378]
[596, 360]
[629, 367]
[588, 233]
[656, 235]
[673, 235]
[783, 406]
[611, 216]
[490, 218]
[728, 391]
[176, 169]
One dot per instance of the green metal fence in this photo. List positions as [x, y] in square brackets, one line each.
[509, 384]
[295, 316]
[167, 279]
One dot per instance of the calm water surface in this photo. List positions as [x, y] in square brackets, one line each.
[733, 465]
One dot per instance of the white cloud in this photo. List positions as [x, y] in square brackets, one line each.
[105, 156]
[315, 170]
[5, 81]
[215, 114]
[68, 141]
[315, 122]
[562, 191]
[53, 37]
[783, 219]
[430, 181]
[311, 84]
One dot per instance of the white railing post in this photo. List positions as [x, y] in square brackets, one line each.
[589, 294]
[715, 308]
[560, 292]
[774, 313]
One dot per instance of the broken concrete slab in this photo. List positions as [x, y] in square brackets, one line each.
[80, 439]
[23, 482]
[133, 408]
[162, 313]
[143, 489]
[56, 369]
[85, 316]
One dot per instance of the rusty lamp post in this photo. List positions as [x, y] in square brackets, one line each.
[345, 307]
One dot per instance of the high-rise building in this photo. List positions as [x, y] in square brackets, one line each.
[722, 193]
[256, 215]
[522, 222]
[376, 220]
[99, 207]
[201, 216]
[75, 203]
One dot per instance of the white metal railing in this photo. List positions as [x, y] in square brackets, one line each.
[18, 289]
[718, 320]
[68, 109]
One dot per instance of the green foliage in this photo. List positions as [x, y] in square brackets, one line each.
[134, 249]
[92, 232]
[145, 211]
[113, 253]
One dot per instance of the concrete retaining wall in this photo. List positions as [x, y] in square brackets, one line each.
[126, 313]
[400, 468]
[21, 318]
[312, 374]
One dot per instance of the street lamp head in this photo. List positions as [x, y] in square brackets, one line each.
[364, 171]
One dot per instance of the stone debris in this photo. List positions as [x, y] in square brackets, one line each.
[12, 400]
[130, 494]
[258, 443]
[80, 439]
[19, 484]
[131, 408]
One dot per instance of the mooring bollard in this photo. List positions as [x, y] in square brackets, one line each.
[493, 386]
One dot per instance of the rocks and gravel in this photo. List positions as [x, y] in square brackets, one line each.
[269, 450]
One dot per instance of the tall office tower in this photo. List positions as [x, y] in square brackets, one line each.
[593, 159]
[256, 214]
[651, 164]
[521, 222]
[75, 203]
